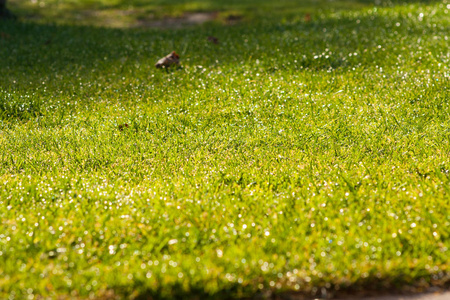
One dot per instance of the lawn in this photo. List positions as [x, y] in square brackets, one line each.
[306, 153]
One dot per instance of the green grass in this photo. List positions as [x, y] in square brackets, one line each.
[293, 156]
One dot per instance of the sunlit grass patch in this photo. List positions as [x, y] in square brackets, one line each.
[296, 154]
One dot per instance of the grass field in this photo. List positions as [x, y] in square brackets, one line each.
[297, 155]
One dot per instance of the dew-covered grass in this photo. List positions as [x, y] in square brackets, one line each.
[296, 155]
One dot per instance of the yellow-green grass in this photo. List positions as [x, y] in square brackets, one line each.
[293, 156]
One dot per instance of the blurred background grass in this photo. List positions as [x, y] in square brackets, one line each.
[135, 13]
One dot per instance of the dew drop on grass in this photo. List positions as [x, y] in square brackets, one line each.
[219, 253]
[173, 241]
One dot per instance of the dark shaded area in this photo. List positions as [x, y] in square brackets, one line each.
[237, 3]
[179, 13]
[197, 292]
[396, 2]
[368, 287]
[4, 12]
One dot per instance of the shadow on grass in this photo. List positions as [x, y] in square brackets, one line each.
[367, 287]
[178, 292]
[138, 13]
[63, 55]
